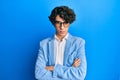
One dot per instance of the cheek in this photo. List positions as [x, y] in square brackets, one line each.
[57, 29]
[66, 30]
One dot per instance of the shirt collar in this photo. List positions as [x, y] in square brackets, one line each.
[65, 38]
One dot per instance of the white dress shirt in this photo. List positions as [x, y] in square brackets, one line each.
[59, 48]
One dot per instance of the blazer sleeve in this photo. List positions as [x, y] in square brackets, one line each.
[72, 73]
[40, 72]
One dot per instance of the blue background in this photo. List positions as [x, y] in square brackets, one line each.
[23, 23]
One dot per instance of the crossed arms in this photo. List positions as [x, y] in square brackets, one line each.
[75, 72]
[75, 64]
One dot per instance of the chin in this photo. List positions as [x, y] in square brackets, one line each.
[62, 34]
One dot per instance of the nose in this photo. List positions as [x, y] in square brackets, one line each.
[61, 26]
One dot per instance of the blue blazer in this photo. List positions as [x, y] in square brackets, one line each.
[75, 48]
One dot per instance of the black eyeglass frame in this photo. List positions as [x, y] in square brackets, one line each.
[60, 23]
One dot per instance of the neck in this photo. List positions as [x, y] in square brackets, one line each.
[60, 37]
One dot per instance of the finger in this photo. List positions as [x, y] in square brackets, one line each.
[77, 61]
[77, 64]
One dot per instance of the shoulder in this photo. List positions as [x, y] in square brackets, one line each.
[45, 41]
[77, 39]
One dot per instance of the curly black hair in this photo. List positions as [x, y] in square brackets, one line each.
[64, 12]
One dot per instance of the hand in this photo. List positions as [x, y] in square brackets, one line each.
[50, 68]
[76, 62]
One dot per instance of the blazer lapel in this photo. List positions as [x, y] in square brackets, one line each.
[51, 52]
[67, 49]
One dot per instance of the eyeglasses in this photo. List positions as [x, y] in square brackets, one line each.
[59, 23]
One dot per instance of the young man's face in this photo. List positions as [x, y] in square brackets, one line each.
[61, 26]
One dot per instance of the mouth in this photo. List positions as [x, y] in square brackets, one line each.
[62, 31]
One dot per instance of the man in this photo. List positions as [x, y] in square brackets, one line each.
[61, 57]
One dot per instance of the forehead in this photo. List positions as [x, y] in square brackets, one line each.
[58, 18]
